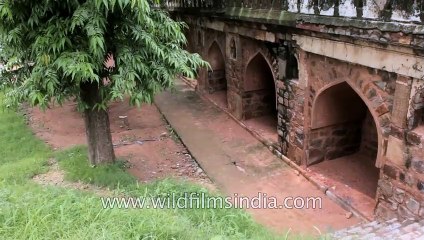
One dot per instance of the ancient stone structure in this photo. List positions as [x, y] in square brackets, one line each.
[341, 77]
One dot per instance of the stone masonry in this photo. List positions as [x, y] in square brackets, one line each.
[344, 77]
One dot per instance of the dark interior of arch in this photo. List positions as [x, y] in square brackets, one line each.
[342, 124]
[216, 76]
[259, 85]
[344, 138]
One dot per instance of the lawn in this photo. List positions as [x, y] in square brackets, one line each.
[32, 211]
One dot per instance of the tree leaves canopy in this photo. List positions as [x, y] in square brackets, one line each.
[51, 47]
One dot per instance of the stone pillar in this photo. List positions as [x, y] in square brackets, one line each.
[283, 88]
[401, 187]
[290, 109]
[233, 75]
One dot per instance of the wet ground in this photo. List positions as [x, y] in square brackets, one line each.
[149, 145]
[239, 164]
[352, 178]
[265, 126]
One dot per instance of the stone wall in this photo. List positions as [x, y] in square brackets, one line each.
[387, 95]
[369, 141]
[344, 139]
[216, 80]
[401, 189]
[416, 105]
[390, 88]
[244, 101]
[334, 141]
[201, 41]
[258, 103]
[375, 88]
[400, 192]
[291, 119]
[234, 69]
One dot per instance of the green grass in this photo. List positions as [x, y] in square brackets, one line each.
[193, 223]
[74, 162]
[31, 211]
[21, 154]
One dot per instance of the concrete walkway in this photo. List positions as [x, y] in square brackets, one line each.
[239, 164]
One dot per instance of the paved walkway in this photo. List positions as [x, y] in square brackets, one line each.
[239, 164]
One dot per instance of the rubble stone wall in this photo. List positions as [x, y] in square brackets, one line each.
[392, 91]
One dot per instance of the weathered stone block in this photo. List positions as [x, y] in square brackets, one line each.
[403, 212]
[386, 188]
[385, 123]
[399, 195]
[413, 138]
[383, 212]
[397, 132]
[382, 85]
[413, 205]
[390, 171]
[407, 178]
[417, 165]
[396, 151]
[382, 109]
[400, 105]
[393, 204]
[371, 93]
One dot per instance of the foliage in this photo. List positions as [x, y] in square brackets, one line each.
[52, 47]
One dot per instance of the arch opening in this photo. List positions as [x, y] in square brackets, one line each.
[343, 142]
[290, 63]
[417, 122]
[217, 82]
[259, 98]
[233, 49]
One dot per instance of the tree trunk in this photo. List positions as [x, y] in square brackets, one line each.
[97, 127]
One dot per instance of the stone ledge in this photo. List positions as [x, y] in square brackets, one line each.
[291, 19]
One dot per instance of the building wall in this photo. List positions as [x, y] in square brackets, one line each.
[369, 140]
[374, 87]
[334, 141]
[387, 78]
[387, 96]
[201, 40]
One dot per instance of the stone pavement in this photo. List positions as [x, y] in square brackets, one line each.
[393, 229]
[239, 164]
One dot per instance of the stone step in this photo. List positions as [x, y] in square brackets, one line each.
[363, 228]
[393, 229]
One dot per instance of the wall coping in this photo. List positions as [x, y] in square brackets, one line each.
[290, 19]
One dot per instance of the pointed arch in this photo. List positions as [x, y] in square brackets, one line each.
[342, 102]
[215, 57]
[258, 74]
[217, 82]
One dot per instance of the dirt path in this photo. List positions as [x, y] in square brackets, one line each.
[240, 164]
[149, 145]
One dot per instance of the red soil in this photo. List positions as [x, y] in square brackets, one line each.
[149, 147]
